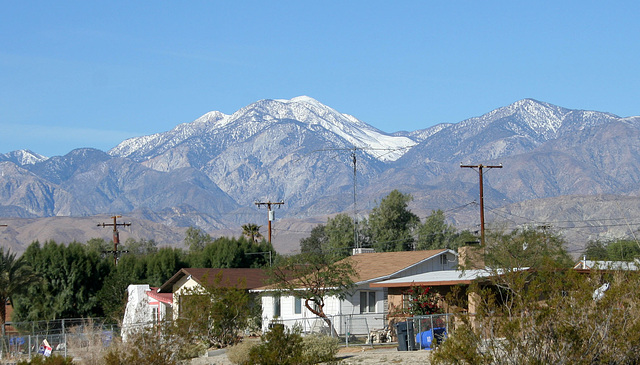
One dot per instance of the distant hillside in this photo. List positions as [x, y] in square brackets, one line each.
[208, 173]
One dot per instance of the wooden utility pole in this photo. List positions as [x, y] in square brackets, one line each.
[116, 236]
[271, 214]
[479, 169]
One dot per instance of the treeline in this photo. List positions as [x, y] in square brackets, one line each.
[617, 250]
[391, 226]
[78, 280]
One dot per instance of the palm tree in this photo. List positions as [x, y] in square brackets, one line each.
[252, 230]
[15, 278]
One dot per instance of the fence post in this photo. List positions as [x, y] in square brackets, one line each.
[29, 348]
[346, 332]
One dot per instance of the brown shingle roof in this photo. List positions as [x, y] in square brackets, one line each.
[252, 278]
[371, 266]
[381, 265]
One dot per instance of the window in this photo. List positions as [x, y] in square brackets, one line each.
[297, 306]
[154, 314]
[367, 302]
[443, 259]
[276, 306]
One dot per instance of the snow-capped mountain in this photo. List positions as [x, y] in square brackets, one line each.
[209, 172]
[22, 157]
[257, 117]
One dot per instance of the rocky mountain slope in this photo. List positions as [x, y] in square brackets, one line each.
[209, 172]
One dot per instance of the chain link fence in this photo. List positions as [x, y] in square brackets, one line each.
[409, 333]
[68, 337]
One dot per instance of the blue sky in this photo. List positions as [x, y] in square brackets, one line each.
[90, 74]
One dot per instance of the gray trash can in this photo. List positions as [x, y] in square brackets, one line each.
[406, 341]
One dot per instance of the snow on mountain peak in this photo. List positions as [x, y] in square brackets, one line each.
[260, 115]
[23, 157]
[374, 142]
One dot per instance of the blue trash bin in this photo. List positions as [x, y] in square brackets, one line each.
[426, 338]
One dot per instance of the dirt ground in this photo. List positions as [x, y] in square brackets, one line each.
[348, 356]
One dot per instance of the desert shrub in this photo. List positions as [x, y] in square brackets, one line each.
[461, 347]
[280, 346]
[284, 346]
[160, 344]
[319, 348]
[550, 317]
[218, 313]
[51, 360]
[240, 353]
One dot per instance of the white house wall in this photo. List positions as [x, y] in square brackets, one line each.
[138, 312]
[350, 319]
[185, 284]
[345, 314]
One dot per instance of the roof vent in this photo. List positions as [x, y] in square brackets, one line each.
[360, 250]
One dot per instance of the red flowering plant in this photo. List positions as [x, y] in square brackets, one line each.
[421, 300]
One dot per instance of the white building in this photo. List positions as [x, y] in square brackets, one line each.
[366, 307]
[145, 306]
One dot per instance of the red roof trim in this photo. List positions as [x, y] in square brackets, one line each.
[166, 298]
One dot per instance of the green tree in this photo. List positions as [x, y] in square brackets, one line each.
[15, 277]
[315, 242]
[225, 252]
[252, 231]
[596, 250]
[72, 275]
[339, 237]
[623, 250]
[141, 246]
[333, 240]
[391, 223]
[528, 247]
[435, 233]
[99, 245]
[163, 264]
[196, 239]
[151, 268]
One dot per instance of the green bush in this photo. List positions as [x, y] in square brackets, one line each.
[280, 347]
[51, 360]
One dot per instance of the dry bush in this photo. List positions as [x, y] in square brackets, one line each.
[239, 354]
[551, 318]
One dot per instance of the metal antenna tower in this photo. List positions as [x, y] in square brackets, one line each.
[354, 160]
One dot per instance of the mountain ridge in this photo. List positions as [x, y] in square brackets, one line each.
[208, 172]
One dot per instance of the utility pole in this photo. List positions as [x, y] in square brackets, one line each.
[479, 169]
[116, 236]
[271, 214]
